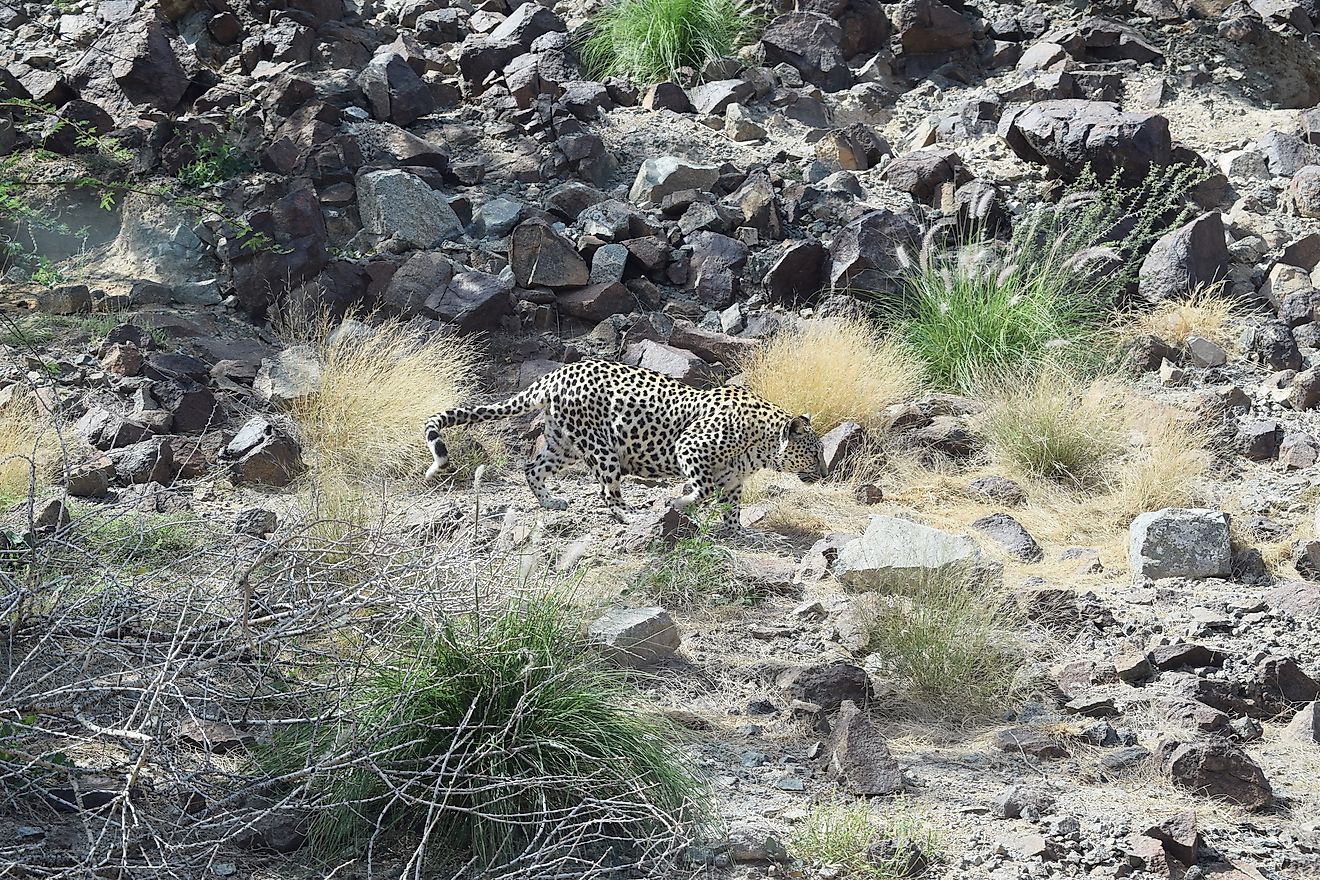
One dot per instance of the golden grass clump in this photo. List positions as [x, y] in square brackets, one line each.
[837, 369]
[378, 387]
[1094, 455]
[27, 446]
[1205, 312]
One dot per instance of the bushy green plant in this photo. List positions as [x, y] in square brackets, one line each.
[491, 735]
[844, 836]
[648, 40]
[977, 309]
[215, 162]
[945, 638]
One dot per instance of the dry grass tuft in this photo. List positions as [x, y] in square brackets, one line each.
[27, 446]
[1094, 456]
[836, 369]
[846, 836]
[1205, 312]
[379, 385]
[1057, 430]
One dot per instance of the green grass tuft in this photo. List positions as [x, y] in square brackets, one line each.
[984, 309]
[646, 41]
[491, 735]
[947, 640]
[844, 836]
[696, 569]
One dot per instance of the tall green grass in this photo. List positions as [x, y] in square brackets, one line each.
[646, 41]
[978, 309]
[843, 835]
[492, 735]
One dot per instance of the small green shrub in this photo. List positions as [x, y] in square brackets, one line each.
[216, 161]
[845, 836]
[986, 309]
[648, 40]
[947, 639]
[696, 569]
[47, 274]
[494, 734]
[134, 541]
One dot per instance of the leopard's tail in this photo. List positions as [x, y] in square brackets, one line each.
[524, 401]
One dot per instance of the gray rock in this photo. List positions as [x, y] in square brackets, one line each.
[1011, 535]
[424, 276]
[1205, 353]
[1011, 801]
[400, 205]
[635, 637]
[1000, 489]
[496, 218]
[255, 521]
[289, 377]
[474, 301]
[676, 363]
[663, 175]
[542, 257]
[607, 263]
[262, 453]
[1305, 725]
[1067, 135]
[828, 685]
[860, 757]
[151, 461]
[1180, 542]
[1189, 257]
[894, 553]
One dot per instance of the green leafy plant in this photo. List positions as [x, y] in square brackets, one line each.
[981, 309]
[216, 161]
[138, 542]
[647, 41]
[845, 836]
[697, 568]
[47, 274]
[945, 638]
[493, 734]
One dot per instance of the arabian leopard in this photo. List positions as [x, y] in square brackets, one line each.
[628, 421]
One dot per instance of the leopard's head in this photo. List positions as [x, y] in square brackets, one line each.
[799, 449]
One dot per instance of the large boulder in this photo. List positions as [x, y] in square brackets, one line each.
[264, 454]
[896, 553]
[929, 27]
[1183, 260]
[400, 205]
[1065, 135]
[635, 637]
[659, 177]
[864, 254]
[474, 301]
[812, 44]
[1180, 542]
[1217, 768]
[290, 377]
[394, 91]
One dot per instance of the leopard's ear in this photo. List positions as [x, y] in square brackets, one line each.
[799, 425]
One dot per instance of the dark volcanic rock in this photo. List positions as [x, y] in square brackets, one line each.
[1065, 135]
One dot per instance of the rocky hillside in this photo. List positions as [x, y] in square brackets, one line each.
[1064, 625]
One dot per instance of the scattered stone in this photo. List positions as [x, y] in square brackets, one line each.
[1011, 535]
[635, 637]
[1132, 667]
[1189, 257]
[661, 176]
[1179, 835]
[1024, 740]
[998, 489]
[1217, 768]
[1185, 655]
[255, 521]
[1013, 800]
[859, 756]
[1176, 542]
[542, 257]
[828, 685]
